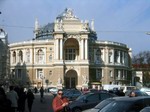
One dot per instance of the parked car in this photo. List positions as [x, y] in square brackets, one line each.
[146, 109]
[137, 92]
[145, 89]
[53, 90]
[127, 104]
[101, 105]
[89, 100]
[72, 94]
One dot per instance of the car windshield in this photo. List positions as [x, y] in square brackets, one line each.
[103, 103]
[117, 106]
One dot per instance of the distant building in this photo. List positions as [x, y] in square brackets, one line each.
[141, 75]
[66, 53]
[4, 57]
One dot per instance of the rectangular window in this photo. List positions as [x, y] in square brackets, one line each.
[98, 74]
[50, 58]
[70, 54]
[39, 74]
[110, 57]
[110, 73]
[19, 74]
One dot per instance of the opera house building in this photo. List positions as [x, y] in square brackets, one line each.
[66, 53]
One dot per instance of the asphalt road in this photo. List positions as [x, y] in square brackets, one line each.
[45, 106]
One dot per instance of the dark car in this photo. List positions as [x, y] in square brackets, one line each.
[127, 104]
[72, 94]
[101, 105]
[137, 92]
[146, 109]
[89, 100]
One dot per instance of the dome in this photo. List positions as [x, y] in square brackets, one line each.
[45, 32]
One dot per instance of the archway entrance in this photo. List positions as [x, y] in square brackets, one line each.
[71, 79]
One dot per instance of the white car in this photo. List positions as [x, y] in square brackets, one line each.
[146, 90]
[53, 90]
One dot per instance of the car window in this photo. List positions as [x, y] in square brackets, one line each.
[93, 97]
[104, 96]
[116, 107]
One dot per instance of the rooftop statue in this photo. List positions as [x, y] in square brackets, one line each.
[67, 14]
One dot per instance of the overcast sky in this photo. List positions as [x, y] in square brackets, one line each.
[124, 21]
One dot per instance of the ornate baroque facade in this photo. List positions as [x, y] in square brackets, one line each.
[67, 53]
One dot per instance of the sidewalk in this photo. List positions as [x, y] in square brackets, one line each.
[42, 106]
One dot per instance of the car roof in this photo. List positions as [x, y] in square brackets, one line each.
[126, 98]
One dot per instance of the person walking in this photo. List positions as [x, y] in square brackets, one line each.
[5, 104]
[21, 101]
[60, 103]
[30, 99]
[13, 97]
[42, 94]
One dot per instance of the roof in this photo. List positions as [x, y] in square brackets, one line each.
[126, 98]
[45, 32]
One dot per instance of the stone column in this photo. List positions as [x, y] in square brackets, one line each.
[86, 49]
[119, 57]
[123, 57]
[56, 47]
[61, 50]
[113, 56]
[82, 49]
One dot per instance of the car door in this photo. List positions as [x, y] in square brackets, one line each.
[91, 101]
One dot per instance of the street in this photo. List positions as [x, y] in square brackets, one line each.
[44, 106]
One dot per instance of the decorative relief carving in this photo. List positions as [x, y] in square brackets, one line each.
[77, 36]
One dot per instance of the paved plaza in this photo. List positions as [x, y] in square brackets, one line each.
[42, 107]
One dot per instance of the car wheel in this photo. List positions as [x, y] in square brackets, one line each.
[77, 110]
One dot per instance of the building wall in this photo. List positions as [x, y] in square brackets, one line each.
[71, 58]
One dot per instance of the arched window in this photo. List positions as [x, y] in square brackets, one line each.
[14, 57]
[116, 56]
[110, 57]
[20, 56]
[40, 56]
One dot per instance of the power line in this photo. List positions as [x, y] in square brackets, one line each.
[103, 31]
[17, 26]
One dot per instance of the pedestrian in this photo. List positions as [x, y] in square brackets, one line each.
[13, 97]
[60, 103]
[22, 99]
[35, 90]
[41, 94]
[30, 99]
[5, 104]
